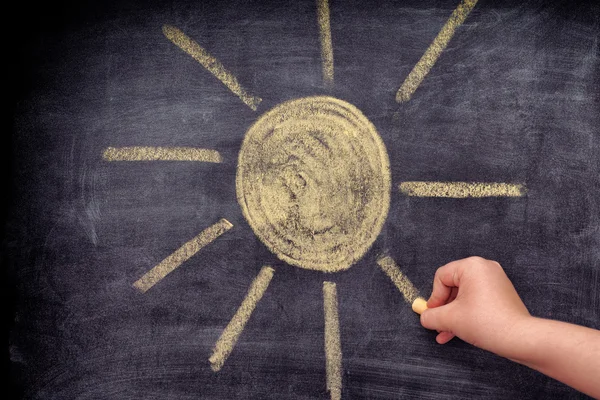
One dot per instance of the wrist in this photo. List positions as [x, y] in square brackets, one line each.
[520, 341]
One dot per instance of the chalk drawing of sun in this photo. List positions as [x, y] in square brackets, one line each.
[313, 181]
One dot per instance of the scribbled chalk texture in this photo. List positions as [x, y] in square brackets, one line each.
[313, 182]
[513, 98]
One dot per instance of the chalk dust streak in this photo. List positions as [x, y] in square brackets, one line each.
[181, 255]
[333, 348]
[421, 69]
[138, 153]
[404, 285]
[326, 44]
[209, 62]
[234, 329]
[460, 190]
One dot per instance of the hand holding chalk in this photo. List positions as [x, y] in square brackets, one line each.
[474, 300]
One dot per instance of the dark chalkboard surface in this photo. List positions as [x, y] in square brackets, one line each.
[510, 99]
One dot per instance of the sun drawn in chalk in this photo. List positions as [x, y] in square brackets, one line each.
[313, 181]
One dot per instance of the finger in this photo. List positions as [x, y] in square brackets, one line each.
[453, 294]
[439, 295]
[439, 318]
[445, 279]
[444, 337]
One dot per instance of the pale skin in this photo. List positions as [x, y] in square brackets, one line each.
[474, 300]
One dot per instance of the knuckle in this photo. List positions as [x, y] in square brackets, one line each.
[476, 260]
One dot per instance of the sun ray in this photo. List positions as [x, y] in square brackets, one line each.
[404, 285]
[333, 348]
[421, 69]
[326, 44]
[234, 329]
[181, 255]
[209, 62]
[460, 190]
[141, 153]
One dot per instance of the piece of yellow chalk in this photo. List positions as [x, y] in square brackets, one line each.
[419, 305]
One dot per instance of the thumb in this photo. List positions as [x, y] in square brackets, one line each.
[438, 318]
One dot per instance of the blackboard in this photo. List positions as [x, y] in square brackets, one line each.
[512, 98]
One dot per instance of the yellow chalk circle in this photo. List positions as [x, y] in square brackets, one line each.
[419, 305]
[313, 181]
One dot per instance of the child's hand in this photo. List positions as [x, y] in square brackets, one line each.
[474, 300]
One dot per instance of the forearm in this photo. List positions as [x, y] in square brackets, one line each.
[566, 352]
